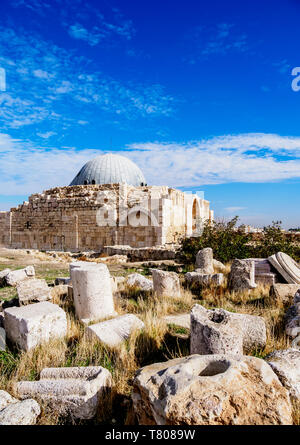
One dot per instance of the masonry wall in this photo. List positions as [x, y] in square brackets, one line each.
[90, 217]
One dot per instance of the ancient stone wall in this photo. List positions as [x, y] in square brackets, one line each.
[92, 216]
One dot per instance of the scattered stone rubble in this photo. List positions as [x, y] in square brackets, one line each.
[72, 391]
[15, 412]
[210, 390]
[216, 385]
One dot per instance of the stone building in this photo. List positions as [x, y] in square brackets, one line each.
[107, 203]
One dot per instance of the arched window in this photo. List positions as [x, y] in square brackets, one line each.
[93, 181]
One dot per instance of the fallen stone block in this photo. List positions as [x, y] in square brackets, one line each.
[210, 390]
[92, 291]
[182, 320]
[283, 292]
[241, 276]
[220, 267]
[33, 290]
[286, 364]
[139, 281]
[195, 278]
[286, 266]
[214, 332]
[166, 284]
[69, 391]
[218, 331]
[15, 412]
[28, 326]
[266, 279]
[115, 331]
[15, 276]
[204, 261]
[296, 343]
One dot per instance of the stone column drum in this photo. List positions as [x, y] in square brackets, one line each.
[92, 291]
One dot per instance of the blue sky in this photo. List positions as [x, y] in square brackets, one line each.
[197, 93]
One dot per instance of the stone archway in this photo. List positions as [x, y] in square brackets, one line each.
[195, 215]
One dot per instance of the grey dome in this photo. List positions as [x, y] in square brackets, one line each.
[109, 169]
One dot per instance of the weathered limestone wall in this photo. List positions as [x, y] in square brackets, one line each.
[92, 216]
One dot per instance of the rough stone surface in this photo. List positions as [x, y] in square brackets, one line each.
[210, 390]
[92, 291]
[296, 343]
[3, 275]
[218, 266]
[14, 412]
[283, 292]
[73, 391]
[166, 284]
[195, 278]
[241, 275]
[286, 364]
[204, 261]
[15, 276]
[139, 281]
[115, 331]
[218, 331]
[2, 335]
[286, 266]
[292, 318]
[214, 332]
[182, 320]
[28, 326]
[59, 291]
[33, 290]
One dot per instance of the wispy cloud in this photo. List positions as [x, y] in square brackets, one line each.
[44, 84]
[219, 39]
[25, 168]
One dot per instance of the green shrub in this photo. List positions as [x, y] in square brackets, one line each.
[229, 242]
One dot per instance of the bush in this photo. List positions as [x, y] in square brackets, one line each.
[229, 242]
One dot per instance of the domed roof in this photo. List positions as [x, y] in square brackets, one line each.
[109, 169]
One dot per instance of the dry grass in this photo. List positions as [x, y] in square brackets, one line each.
[157, 342]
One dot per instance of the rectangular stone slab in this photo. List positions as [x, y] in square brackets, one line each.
[30, 325]
[115, 331]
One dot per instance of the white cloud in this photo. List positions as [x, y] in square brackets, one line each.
[46, 135]
[48, 86]
[234, 209]
[26, 169]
